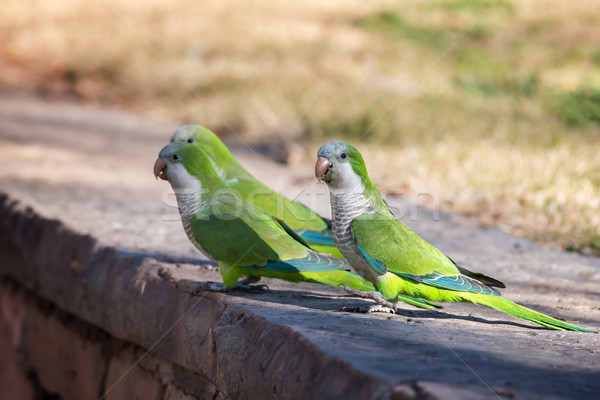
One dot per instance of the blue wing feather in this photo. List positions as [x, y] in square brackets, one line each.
[458, 282]
[378, 265]
[313, 262]
[322, 238]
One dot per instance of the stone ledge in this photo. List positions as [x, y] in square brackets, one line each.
[125, 297]
[224, 345]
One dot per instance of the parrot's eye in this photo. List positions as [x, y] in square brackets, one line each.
[343, 156]
[175, 157]
[190, 140]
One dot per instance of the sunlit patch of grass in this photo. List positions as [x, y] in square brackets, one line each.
[588, 242]
[594, 242]
[580, 107]
[395, 26]
[476, 6]
[526, 87]
[352, 126]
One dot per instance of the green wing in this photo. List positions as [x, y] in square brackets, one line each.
[390, 246]
[253, 239]
[489, 281]
[292, 232]
[297, 216]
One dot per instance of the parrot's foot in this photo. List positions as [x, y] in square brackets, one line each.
[369, 309]
[373, 296]
[211, 287]
[246, 285]
[249, 281]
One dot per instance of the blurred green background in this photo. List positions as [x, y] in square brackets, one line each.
[505, 128]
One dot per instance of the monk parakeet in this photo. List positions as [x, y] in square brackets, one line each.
[313, 228]
[241, 238]
[391, 256]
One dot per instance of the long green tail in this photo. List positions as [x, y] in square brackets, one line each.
[507, 306]
[418, 302]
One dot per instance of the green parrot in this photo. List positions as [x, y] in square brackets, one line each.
[241, 238]
[313, 228]
[391, 256]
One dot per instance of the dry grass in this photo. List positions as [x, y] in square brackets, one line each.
[505, 128]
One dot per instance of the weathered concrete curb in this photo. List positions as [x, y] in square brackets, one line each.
[136, 300]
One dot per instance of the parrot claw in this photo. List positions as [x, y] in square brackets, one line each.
[245, 286]
[369, 309]
[382, 304]
[249, 281]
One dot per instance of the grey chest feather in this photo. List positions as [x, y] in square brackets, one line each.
[344, 208]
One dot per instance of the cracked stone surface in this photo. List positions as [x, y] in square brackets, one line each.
[85, 227]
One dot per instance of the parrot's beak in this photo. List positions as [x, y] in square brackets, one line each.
[160, 169]
[323, 169]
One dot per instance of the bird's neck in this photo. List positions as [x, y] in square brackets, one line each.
[348, 203]
[345, 206]
[190, 200]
